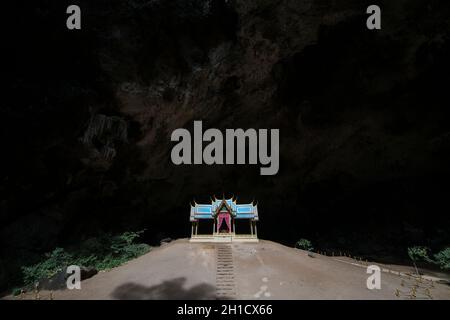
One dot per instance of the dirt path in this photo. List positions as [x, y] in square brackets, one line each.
[264, 270]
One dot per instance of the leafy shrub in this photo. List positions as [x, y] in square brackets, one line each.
[16, 291]
[443, 258]
[304, 244]
[418, 254]
[53, 263]
[103, 252]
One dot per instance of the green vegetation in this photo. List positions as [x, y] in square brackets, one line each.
[52, 263]
[16, 291]
[442, 258]
[103, 252]
[418, 254]
[304, 244]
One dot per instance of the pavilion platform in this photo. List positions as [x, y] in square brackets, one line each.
[220, 237]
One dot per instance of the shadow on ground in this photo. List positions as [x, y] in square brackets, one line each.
[167, 290]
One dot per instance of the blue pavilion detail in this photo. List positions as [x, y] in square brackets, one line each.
[222, 215]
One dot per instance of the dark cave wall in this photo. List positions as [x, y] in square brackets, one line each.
[363, 118]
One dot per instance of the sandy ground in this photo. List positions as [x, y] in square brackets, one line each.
[264, 270]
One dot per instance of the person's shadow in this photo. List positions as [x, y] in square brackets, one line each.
[167, 290]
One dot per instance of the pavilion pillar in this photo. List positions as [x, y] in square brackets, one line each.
[234, 227]
[256, 231]
[251, 227]
[214, 226]
[192, 229]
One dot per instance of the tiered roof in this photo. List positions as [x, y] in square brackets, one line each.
[209, 211]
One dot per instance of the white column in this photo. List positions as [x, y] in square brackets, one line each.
[192, 229]
[256, 231]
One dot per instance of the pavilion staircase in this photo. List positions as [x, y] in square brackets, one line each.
[225, 285]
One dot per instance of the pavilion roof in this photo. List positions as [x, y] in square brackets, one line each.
[238, 211]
